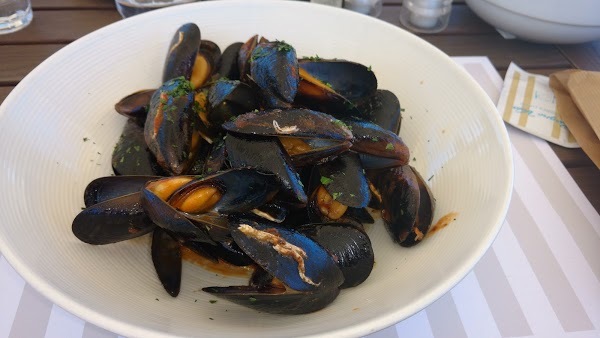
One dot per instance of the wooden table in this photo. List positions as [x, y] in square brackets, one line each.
[58, 22]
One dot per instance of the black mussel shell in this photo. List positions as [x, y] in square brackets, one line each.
[371, 139]
[293, 258]
[376, 162]
[228, 67]
[200, 158]
[244, 56]
[352, 80]
[400, 198]
[383, 109]
[203, 249]
[171, 126]
[322, 150]
[182, 52]
[113, 220]
[242, 189]
[166, 257]
[267, 154]
[216, 159]
[166, 217]
[109, 187]
[424, 215]
[302, 123]
[135, 106]
[275, 299]
[131, 155]
[349, 246]
[228, 99]
[345, 180]
[274, 68]
[316, 95]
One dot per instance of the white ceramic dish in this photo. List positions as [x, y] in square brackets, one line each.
[548, 21]
[58, 128]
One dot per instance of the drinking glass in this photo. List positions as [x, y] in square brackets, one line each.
[14, 15]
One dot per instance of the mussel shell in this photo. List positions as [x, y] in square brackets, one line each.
[230, 252]
[216, 157]
[400, 193]
[163, 215]
[377, 162]
[424, 215]
[313, 94]
[302, 123]
[109, 187]
[345, 180]
[203, 249]
[371, 139]
[352, 80]
[273, 212]
[135, 105]
[229, 98]
[242, 189]
[349, 246]
[276, 300]
[228, 67]
[114, 220]
[171, 124]
[131, 155]
[319, 266]
[182, 52]
[166, 257]
[274, 68]
[199, 164]
[244, 55]
[267, 154]
[383, 109]
[322, 151]
[212, 51]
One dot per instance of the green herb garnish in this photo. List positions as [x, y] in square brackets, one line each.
[389, 146]
[335, 195]
[212, 301]
[326, 180]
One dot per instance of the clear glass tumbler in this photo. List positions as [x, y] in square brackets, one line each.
[425, 16]
[129, 8]
[369, 7]
[14, 15]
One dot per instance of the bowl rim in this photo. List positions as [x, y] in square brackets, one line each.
[391, 318]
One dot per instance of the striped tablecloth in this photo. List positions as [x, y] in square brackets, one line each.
[541, 278]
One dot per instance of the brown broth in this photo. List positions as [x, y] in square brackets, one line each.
[443, 222]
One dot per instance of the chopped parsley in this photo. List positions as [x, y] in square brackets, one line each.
[389, 146]
[326, 180]
[335, 195]
[85, 139]
[370, 69]
[282, 46]
[429, 179]
[252, 299]
[212, 301]
[374, 139]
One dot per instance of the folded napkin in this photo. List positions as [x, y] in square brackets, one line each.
[527, 102]
[578, 100]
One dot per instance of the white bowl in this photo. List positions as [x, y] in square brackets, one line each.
[58, 129]
[548, 21]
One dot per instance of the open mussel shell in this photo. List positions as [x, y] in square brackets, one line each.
[290, 256]
[244, 56]
[317, 95]
[166, 257]
[352, 80]
[228, 67]
[275, 299]
[131, 155]
[349, 246]
[266, 154]
[166, 217]
[109, 187]
[345, 180]
[274, 68]
[228, 99]
[311, 278]
[405, 212]
[241, 190]
[274, 212]
[383, 109]
[424, 215]
[171, 126]
[114, 220]
[182, 52]
[371, 139]
[300, 123]
[319, 150]
[135, 105]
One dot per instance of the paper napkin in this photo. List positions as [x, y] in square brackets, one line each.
[527, 102]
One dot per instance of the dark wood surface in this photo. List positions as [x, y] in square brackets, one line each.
[58, 22]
